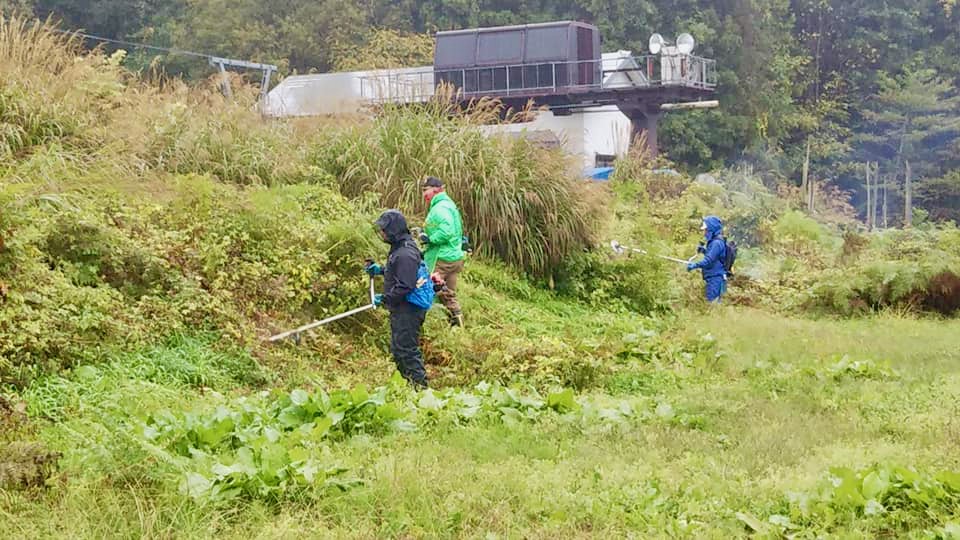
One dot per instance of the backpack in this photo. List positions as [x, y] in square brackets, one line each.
[422, 295]
[729, 255]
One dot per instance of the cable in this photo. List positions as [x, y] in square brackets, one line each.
[214, 60]
[132, 44]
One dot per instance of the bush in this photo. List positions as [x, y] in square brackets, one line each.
[638, 283]
[896, 268]
[796, 228]
[82, 275]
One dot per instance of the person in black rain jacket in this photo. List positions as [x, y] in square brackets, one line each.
[400, 278]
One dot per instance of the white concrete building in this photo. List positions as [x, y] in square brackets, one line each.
[598, 135]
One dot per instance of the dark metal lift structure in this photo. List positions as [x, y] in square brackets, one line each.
[558, 66]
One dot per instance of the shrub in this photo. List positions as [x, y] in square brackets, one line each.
[638, 283]
[83, 275]
[873, 281]
[795, 227]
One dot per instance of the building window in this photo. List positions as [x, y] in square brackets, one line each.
[604, 160]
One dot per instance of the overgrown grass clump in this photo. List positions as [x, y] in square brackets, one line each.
[121, 225]
[521, 203]
[82, 275]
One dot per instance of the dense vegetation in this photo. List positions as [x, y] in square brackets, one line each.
[838, 83]
[152, 234]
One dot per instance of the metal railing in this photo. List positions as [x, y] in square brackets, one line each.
[660, 71]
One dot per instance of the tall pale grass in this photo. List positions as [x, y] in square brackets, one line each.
[31, 44]
[521, 203]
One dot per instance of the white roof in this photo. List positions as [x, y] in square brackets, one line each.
[348, 91]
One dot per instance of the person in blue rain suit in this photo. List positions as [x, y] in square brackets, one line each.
[711, 266]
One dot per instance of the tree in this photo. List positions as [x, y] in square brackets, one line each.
[832, 76]
[387, 49]
[915, 116]
[757, 60]
[941, 197]
[297, 35]
[118, 19]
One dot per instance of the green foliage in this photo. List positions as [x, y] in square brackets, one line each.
[194, 362]
[899, 268]
[268, 449]
[117, 271]
[796, 228]
[387, 49]
[124, 221]
[181, 362]
[25, 126]
[889, 498]
[296, 36]
[157, 213]
[867, 369]
[844, 77]
[635, 283]
[545, 463]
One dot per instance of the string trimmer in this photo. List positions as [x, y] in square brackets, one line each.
[296, 331]
[620, 249]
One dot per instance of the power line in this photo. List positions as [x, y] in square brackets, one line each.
[132, 44]
[129, 43]
[267, 69]
[217, 61]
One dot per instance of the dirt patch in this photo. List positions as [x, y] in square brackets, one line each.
[12, 414]
[26, 464]
[433, 355]
[943, 293]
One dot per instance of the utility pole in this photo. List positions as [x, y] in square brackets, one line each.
[869, 212]
[886, 181]
[805, 180]
[908, 200]
[876, 195]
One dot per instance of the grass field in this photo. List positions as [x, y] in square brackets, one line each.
[739, 437]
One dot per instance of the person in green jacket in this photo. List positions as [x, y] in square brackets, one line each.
[442, 238]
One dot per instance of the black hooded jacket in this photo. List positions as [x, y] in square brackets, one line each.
[400, 273]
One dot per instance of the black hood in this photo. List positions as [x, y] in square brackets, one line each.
[394, 225]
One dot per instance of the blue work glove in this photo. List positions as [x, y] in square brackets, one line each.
[424, 239]
[378, 300]
[373, 269]
[691, 266]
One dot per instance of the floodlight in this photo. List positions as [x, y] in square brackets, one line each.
[685, 43]
[656, 43]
